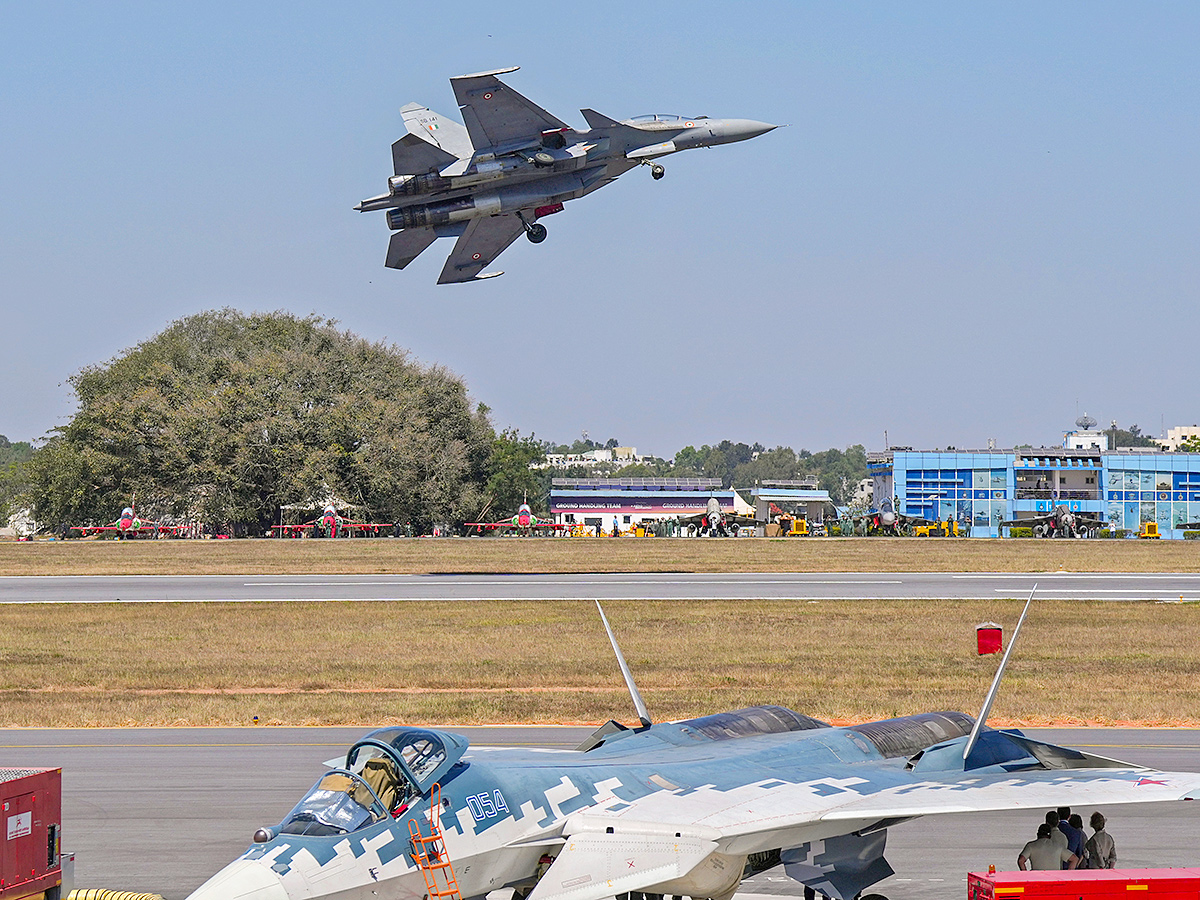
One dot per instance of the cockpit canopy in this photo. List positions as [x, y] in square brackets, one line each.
[386, 772]
[663, 117]
[424, 756]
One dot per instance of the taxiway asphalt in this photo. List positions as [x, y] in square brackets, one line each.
[790, 586]
[160, 810]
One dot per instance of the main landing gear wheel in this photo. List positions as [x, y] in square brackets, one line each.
[657, 171]
[535, 232]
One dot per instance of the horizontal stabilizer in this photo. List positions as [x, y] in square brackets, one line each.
[598, 120]
[599, 866]
[413, 156]
[407, 245]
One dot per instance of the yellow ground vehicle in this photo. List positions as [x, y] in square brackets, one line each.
[1149, 530]
[796, 528]
[936, 529]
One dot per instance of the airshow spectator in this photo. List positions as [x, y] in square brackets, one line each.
[1045, 853]
[1055, 835]
[1101, 848]
[1073, 832]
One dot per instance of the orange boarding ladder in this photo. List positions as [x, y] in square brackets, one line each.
[430, 855]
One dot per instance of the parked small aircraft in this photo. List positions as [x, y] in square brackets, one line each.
[715, 521]
[514, 163]
[126, 526]
[1060, 523]
[686, 808]
[524, 521]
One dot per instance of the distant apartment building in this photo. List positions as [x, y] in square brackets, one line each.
[621, 456]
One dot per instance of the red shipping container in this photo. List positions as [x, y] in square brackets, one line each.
[1085, 884]
[989, 637]
[30, 817]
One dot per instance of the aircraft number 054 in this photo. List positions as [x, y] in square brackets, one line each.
[485, 805]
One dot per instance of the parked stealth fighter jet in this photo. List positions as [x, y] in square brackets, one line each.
[686, 808]
[512, 164]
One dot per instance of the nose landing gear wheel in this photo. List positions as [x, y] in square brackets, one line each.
[657, 171]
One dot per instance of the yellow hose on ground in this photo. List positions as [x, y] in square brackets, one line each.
[102, 894]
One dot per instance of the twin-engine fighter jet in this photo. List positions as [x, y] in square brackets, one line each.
[715, 521]
[514, 163]
[1062, 522]
[686, 808]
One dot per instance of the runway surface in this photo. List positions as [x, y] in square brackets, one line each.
[162, 809]
[792, 586]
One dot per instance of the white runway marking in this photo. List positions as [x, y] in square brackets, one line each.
[501, 583]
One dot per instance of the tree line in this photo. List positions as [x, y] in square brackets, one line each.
[226, 418]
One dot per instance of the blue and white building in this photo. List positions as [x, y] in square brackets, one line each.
[982, 488]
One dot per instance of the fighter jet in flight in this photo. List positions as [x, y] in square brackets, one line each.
[512, 164]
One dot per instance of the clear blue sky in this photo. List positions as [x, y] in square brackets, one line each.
[980, 215]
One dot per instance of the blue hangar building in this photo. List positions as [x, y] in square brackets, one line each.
[979, 489]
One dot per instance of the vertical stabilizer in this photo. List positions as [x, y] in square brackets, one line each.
[638, 703]
[991, 695]
[437, 129]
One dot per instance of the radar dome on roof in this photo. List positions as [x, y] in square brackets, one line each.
[1085, 422]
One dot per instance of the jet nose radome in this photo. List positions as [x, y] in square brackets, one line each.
[242, 879]
[744, 129]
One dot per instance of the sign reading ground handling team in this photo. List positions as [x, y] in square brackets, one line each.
[20, 825]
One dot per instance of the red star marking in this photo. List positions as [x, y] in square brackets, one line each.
[629, 862]
[1144, 780]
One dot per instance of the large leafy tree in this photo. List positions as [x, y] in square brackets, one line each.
[512, 482]
[13, 457]
[225, 417]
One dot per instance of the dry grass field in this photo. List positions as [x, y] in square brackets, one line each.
[513, 555]
[372, 663]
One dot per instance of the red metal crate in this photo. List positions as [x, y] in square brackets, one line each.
[30, 817]
[1082, 884]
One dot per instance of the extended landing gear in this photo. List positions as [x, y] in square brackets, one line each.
[656, 171]
[535, 232]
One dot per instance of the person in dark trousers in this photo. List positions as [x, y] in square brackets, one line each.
[1101, 848]
[1074, 834]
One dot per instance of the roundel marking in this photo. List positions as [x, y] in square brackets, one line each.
[475, 256]
[487, 96]
[689, 124]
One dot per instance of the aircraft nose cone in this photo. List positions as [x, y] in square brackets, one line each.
[242, 879]
[744, 129]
